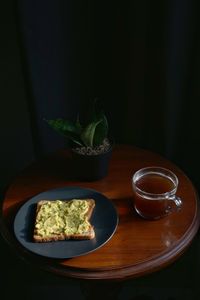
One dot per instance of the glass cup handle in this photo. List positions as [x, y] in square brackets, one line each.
[177, 201]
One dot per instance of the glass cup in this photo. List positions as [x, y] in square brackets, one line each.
[155, 192]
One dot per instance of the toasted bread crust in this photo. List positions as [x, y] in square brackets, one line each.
[90, 234]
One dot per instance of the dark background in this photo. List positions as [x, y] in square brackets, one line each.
[141, 58]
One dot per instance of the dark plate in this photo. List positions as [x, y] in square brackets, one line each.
[104, 219]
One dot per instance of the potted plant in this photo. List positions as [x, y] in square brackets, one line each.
[89, 143]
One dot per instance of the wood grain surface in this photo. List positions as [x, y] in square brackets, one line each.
[138, 246]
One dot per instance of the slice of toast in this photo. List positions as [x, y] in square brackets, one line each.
[61, 220]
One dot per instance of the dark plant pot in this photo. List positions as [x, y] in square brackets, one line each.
[91, 167]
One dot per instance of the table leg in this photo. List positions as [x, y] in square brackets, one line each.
[101, 290]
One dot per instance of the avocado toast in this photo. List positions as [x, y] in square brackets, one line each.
[60, 220]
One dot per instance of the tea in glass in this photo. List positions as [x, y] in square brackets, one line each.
[154, 191]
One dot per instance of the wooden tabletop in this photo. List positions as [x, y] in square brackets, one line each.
[138, 246]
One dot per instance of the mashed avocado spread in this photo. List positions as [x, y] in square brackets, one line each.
[62, 217]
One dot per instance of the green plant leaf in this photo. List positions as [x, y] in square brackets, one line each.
[101, 131]
[91, 135]
[88, 133]
[98, 117]
[67, 129]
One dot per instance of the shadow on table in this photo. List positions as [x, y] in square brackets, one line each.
[180, 281]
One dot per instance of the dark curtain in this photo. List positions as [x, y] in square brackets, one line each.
[140, 57]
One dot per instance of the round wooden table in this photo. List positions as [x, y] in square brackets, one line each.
[138, 246]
